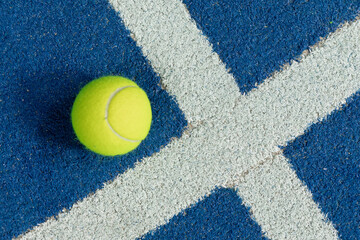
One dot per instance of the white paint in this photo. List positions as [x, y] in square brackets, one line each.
[231, 135]
[281, 204]
[181, 55]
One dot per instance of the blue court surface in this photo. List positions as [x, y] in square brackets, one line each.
[51, 187]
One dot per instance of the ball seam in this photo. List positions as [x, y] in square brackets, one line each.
[107, 114]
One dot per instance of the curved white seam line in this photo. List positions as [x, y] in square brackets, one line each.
[107, 113]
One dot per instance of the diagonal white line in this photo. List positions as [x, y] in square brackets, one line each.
[281, 204]
[232, 133]
[181, 55]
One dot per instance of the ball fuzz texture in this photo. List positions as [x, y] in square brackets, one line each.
[111, 115]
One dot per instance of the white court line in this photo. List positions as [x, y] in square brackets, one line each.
[232, 134]
[278, 201]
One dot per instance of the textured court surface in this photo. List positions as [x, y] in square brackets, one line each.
[255, 133]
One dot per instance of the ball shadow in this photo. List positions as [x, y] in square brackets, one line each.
[56, 125]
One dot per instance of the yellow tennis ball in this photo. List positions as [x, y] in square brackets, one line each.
[111, 115]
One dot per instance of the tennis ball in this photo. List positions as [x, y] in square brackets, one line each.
[111, 115]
